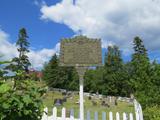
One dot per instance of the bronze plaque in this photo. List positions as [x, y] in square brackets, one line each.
[80, 51]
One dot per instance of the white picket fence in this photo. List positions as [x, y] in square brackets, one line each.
[110, 116]
[138, 110]
[138, 115]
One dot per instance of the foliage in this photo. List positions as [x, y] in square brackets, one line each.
[21, 62]
[142, 76]
[152, 113]
[93, 80]
[24, 103]
[60, 77]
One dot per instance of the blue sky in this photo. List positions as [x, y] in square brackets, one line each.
[47, 21]
[16, 14]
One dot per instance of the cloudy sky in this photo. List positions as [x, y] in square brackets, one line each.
[47, 21]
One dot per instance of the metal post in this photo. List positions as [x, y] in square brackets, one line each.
[81, 72]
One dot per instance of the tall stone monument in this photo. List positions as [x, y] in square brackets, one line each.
[80, 52]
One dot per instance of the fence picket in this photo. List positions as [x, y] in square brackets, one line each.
[117, 116]
[96, 115]
[72, 114]
[54, 112]
[124, 116]
[103, 115]
[130, 116]
[110, 116]
[63, 113]
[137, 116]
[88, 115]
[45, 114]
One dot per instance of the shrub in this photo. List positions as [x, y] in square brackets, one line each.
[152, 113]
[21, 103]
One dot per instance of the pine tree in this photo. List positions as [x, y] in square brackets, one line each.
[60, 77]
[140, 74]
[50, 72]
[113, 72]
[21, 62]
[140, 61]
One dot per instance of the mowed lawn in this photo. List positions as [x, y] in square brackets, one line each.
[72, 104]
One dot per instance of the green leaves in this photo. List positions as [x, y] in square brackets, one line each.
[27, 99]
[24, 103]
[4, 88]
[152, 113]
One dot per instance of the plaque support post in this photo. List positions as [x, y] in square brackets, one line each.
[81, 71]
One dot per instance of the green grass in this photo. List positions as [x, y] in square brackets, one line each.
[71, 104]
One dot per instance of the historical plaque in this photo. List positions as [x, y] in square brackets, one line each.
[80, 51]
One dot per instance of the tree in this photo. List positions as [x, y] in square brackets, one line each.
[21, 62]
[60, 77]
[145, 89]
[50, 72]
[114, 75]
[94, 80]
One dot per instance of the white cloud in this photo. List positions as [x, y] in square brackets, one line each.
[7, 50]
[37, 58]
[115, 21]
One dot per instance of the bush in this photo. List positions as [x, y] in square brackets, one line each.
[22, 103]
[152, 113]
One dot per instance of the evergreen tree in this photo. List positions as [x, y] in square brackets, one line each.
[94, 80]
[60, 77]
[113, 72]
[140, 74]
[50, 72]
[140, 63]
[21, 62]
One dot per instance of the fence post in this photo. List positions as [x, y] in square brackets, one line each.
[103, 115]
[117, 116]
[45, 114]
[137, 116]
[96, 115]
[130, 116]
[72, 114]
[54, 112]
[88, 115]
[124, 116]
[63, 113]
[141, 113]
[110, 116]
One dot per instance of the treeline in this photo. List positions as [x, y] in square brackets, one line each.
[139, 77]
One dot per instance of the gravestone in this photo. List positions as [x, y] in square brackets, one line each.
[94, 103]
[80, 52]
[58, 102]
[64, 99]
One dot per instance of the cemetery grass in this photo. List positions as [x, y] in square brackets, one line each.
[71, 104]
